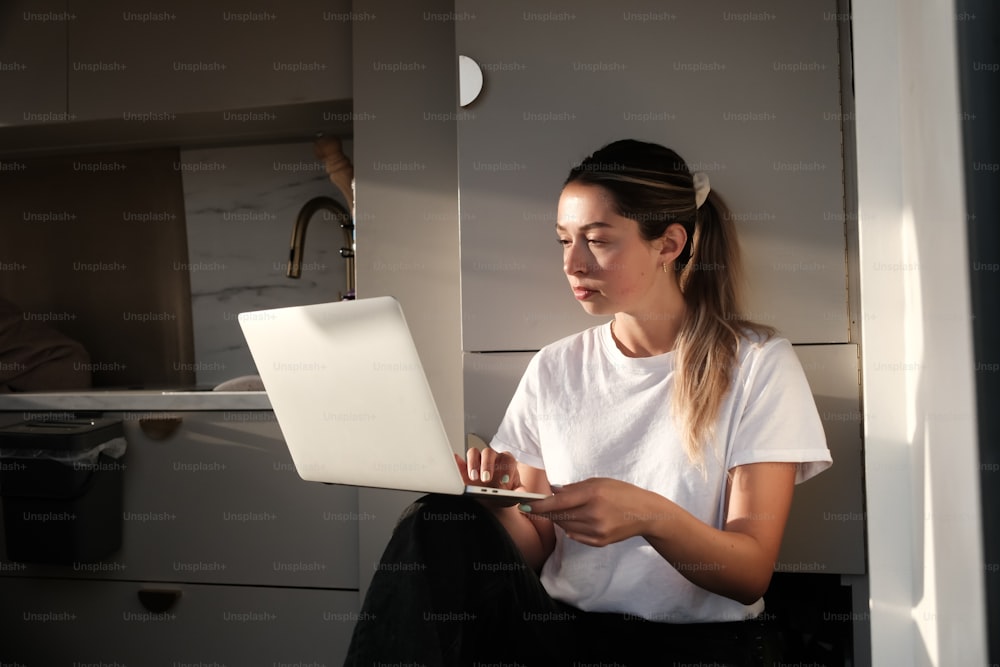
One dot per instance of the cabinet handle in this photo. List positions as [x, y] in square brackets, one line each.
[470, 80]
[159, 600]
[159, 428]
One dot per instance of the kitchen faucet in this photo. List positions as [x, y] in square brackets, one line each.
[308, 210]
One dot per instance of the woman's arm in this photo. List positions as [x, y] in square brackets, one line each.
[736, 562]
[533, 535]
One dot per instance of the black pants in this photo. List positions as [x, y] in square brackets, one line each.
[453, 589]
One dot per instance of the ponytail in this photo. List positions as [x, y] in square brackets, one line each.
[707, 344]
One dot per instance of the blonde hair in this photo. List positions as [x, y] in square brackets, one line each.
[652, 185]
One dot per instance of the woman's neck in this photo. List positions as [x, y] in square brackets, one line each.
[649, 334]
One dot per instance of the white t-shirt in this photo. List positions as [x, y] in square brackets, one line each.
[583, 409]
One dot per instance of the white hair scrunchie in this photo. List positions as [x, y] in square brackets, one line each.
[701, 188]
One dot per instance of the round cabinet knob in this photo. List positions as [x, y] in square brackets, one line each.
[159, 600]
[470, 80]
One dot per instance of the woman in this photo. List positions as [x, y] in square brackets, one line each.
[670, 440]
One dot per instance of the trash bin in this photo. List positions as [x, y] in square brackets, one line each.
[61, 486]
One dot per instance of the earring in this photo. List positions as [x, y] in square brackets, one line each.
[665, 268]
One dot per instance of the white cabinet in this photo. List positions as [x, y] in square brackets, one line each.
[218, 501]
[749, 96]
[826, 528]
[58, 623]
[145, 61]
[33, 61]
[227, 555]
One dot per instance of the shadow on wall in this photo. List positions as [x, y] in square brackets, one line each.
[95, 247]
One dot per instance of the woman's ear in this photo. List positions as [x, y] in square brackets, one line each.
[672, 242]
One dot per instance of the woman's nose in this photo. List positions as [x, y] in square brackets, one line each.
[576, 260]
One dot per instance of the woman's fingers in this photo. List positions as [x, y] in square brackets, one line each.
[490, 468]
[472, 463]
[488, 459]
[505, 470]
[596, 511]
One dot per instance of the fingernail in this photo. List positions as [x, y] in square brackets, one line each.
[473, 474]
[486, 475]
[524, 507]
[505, 479]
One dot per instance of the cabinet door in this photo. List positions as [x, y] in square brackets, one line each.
[53, 623]
[217, 500]
[32, 61]
[826, 528]
[749, 96]
[129, 59]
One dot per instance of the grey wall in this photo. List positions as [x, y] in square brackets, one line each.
[750, 95]
[407, 207]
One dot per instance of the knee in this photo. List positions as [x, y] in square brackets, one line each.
[453, 520]
[436, 507]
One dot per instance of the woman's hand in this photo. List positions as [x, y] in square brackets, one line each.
[599, 511]
[736, 561]
[488, 467]
[533, 535]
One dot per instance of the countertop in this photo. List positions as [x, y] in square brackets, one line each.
[145, 400]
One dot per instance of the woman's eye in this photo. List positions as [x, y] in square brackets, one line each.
[566, 242]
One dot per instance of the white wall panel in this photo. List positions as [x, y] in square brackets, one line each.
[752, 97]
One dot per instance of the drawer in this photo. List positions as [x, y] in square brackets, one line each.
[52, 623]
[213, 497]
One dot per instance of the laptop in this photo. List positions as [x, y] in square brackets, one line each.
[351, 398]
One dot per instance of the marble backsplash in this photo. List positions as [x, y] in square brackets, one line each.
[241, 204]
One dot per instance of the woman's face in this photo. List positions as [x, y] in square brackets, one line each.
[610, 267]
